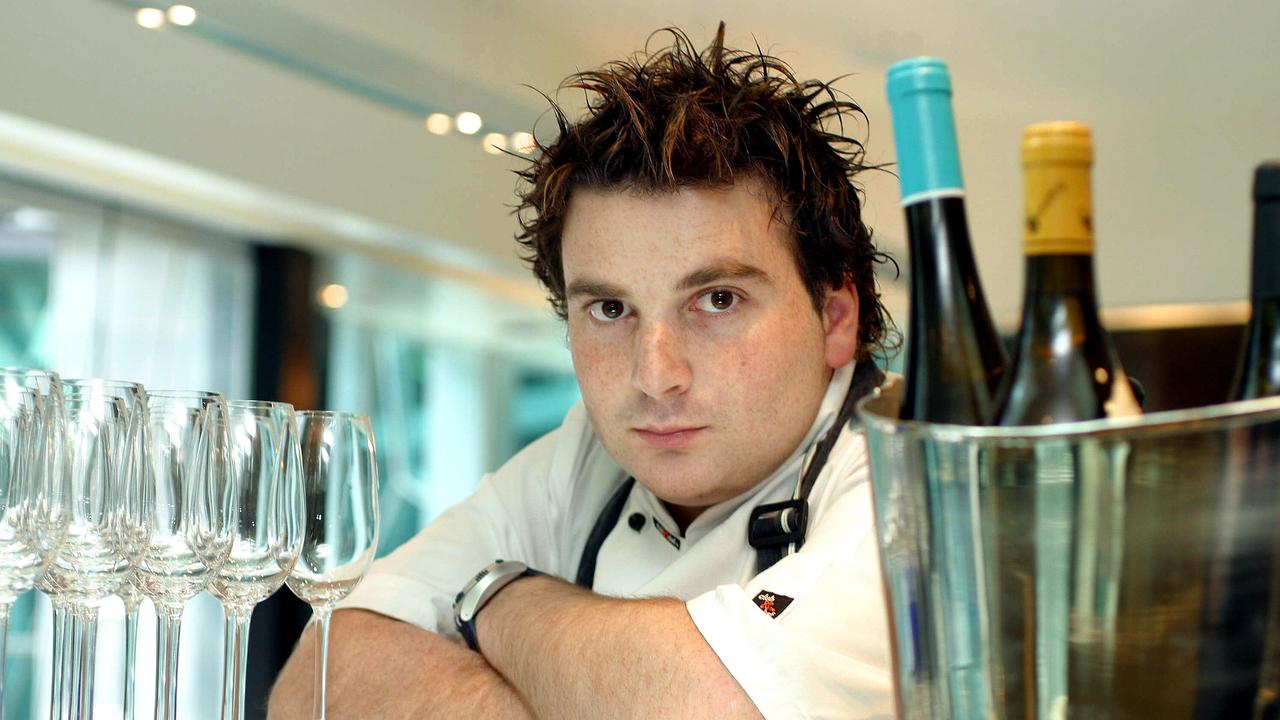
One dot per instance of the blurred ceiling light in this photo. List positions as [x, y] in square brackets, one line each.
[182, 15]
[30, 219]
[522, 142]
[149, 18]
[495, 143]
[439, 123]
[469, 123]
[332, 296]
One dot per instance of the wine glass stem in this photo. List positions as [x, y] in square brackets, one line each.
[167, 635]
[64, 661]
[71, 654]
[4, 643]
[88, 656]
[130, 658]
[59, 655]
[322, 661]
[235, 658]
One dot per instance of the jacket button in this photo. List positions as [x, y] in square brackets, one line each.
[636, 521]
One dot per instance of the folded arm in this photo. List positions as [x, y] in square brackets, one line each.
[572, 653]
[383, 668]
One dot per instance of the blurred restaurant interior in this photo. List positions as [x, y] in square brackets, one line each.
[310, 201]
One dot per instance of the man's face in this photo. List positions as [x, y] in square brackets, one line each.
[700, 356]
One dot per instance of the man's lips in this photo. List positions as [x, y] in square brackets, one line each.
[669, 437]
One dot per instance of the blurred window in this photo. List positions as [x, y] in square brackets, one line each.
[90, 290]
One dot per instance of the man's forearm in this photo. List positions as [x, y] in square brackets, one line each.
[571, 653]
[383, 668]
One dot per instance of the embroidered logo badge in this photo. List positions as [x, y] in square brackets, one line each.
[772, 603]
[667, 534]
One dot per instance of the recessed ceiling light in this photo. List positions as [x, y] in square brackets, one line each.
[495, 143]
[31, 219]
[182, 15]
[469, 123]
[149, 18]
[522, 142]
[439, 123]
[332, 296]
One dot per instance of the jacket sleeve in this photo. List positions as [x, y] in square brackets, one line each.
[511, 515]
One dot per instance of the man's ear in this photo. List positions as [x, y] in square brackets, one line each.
[840, 322]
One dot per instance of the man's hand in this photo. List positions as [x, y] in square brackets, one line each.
[574, 654]
[380, 668]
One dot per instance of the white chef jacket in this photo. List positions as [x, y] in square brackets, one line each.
[824, 655]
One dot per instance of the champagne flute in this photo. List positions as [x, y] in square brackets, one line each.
[52, 509]
[189, 517]
[135, 478]
[264, 458]
[340, 487]
[91, 562]
[21, 561]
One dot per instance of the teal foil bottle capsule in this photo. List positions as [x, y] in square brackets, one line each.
[924, 130]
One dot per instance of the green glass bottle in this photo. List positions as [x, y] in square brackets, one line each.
[1065, 367]
[954, 357]
[1241, 650]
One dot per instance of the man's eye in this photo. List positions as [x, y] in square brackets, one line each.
[608, 310]
[717, 301]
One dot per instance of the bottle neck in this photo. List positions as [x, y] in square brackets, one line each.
[1266, 251]
[1049, 277]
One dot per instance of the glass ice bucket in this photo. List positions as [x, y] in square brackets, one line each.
[1105, 569]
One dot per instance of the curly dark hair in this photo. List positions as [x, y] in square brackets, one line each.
[676, 118]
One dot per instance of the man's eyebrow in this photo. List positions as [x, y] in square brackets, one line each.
[593, 288]
[730, 270]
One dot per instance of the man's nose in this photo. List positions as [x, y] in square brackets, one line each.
[661, 366]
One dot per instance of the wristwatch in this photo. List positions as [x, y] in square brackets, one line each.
[480, 590]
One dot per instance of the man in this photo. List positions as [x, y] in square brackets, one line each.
[701, 236]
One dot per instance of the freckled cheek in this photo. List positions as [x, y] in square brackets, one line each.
[599, 366]
[773, 362]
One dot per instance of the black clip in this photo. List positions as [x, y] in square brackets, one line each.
[780, 523]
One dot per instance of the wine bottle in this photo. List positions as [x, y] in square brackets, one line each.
[954, 357]
[1064, 365]
[1241, 645]
[1259, 373]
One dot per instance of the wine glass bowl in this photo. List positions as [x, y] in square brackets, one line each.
[186, 508]
[340, 491]
[21, 559]
[91, 562]
[263, 452]
[50, 503]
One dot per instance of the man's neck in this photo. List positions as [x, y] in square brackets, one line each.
[683, 515]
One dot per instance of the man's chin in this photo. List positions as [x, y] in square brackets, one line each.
[687, 490]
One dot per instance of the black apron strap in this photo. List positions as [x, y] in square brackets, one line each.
[773, 528]
[604, 525]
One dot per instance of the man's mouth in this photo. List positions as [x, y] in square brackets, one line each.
[669, 437]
